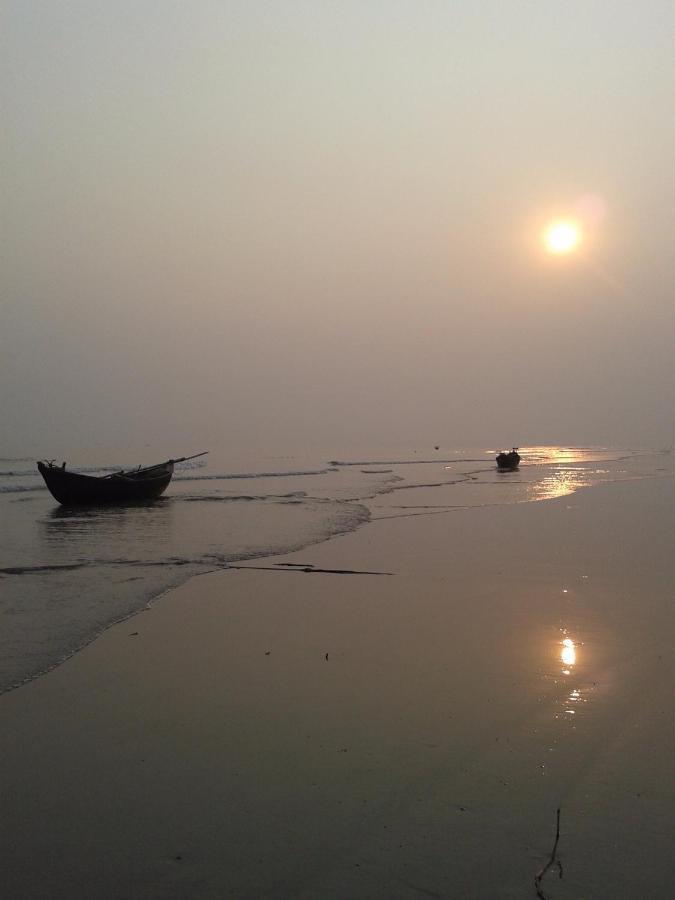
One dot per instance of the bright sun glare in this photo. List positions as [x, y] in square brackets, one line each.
[562, 237]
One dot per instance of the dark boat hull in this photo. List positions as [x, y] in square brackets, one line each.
[508, 462]
[73, 489]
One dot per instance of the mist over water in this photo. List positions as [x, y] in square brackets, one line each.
[308, 222]
[67, 574]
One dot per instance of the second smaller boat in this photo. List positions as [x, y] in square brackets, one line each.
[508, 462]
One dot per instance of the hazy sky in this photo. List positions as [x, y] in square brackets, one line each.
[318, 223]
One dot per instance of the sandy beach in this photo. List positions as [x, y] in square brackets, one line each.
[395, 713]
[337, 460]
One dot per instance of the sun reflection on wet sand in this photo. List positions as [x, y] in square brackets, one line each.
[573, 697]
[568, 653]
[569, 657]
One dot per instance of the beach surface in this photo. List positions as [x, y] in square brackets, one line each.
[398, 712]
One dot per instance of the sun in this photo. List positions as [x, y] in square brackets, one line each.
[562, 237]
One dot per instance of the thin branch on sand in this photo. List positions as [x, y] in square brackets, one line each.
[551, 861]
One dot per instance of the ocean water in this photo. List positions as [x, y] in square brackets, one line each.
[67, 574]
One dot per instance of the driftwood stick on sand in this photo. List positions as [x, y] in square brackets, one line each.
[551, 860]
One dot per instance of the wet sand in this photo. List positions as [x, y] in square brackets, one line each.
[271, 732]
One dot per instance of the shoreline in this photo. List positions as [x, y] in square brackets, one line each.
[153, 598]
[369, 736]
[43, 598]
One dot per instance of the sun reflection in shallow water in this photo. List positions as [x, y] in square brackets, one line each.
[559, 484]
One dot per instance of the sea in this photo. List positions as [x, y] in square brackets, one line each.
[68, 574]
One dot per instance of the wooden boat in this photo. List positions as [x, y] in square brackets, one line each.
[508, 462]
[126, 486]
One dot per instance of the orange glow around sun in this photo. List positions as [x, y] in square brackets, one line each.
[561, 237]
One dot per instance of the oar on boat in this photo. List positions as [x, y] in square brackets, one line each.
[185, 458]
